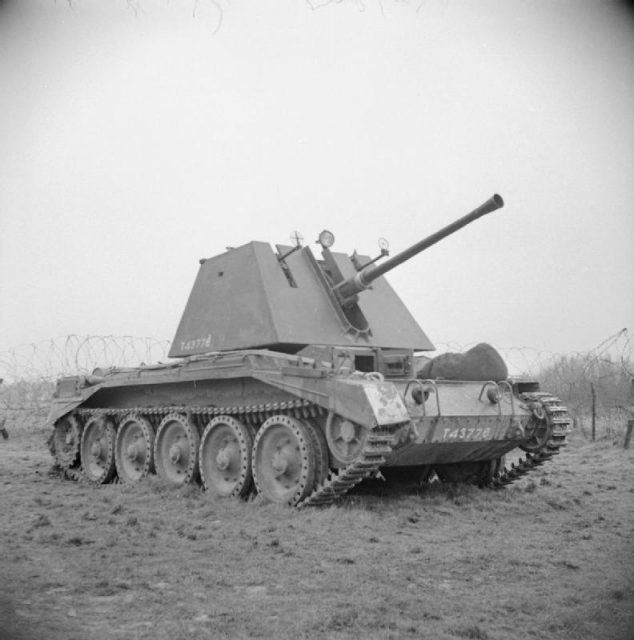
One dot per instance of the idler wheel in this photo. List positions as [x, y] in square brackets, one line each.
[224, 457]
[97, 450]
[66, 441]
[176, 450]
[285, 461]
[133, 448]
[345, 439]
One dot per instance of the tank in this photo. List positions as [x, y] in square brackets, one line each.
[294, 377]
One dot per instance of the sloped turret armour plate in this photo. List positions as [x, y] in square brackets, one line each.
[247, 299]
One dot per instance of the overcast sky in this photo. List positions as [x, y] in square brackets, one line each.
[133, 143]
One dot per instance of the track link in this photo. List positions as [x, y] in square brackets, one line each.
[252, 414]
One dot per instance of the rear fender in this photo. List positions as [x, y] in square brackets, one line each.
[71, 392]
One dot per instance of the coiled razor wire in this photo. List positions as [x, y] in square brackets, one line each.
[616, 350]
[73, 354]
[29, 371]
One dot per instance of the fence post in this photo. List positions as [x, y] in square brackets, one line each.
[628, 434]
[594, 410]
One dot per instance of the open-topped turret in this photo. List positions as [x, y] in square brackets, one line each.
[253, 298]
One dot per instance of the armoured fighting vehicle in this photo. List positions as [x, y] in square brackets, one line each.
[294, 377]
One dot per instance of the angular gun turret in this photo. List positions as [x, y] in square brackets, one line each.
[253, 298]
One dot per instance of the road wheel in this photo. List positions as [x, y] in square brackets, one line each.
[133, 448]
[176, 450]
[224, 457]
[285, 463]
[97, 450]
[322, 457]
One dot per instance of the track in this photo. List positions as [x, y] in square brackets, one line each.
[250, 414]
[559, 423]
[378, 444]
[376, 448]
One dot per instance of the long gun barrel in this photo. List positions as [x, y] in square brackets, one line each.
[362, 280]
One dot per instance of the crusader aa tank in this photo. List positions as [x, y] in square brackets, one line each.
[294, 377]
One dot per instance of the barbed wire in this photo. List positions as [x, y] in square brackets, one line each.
[72, 354]
[617, 350]
[29, 371]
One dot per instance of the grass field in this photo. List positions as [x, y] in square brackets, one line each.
[550, 557]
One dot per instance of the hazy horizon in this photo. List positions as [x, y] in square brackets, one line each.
[135, 143]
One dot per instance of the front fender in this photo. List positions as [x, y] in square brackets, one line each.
[368, 402]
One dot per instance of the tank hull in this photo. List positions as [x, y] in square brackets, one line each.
[352, 424]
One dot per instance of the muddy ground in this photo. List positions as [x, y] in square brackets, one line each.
[552, 557]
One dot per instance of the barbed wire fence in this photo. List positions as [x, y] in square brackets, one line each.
[73, 354]
[599, 379]
[29, 371]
